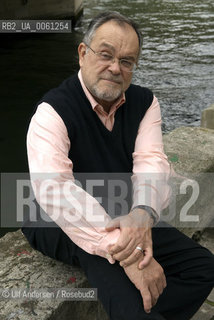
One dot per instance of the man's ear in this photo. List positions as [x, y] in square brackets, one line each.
[82, 52]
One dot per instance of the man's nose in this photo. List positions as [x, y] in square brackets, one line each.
[115, 67]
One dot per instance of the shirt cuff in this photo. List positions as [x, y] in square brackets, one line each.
[109, 239]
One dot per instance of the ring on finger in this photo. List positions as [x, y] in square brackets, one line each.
[139, 248]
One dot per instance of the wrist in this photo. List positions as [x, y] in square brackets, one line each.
[152, 214]
[109, 239]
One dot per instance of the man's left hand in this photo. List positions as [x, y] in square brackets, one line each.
[135, 232]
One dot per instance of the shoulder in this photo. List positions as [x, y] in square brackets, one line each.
[134, 88]
[137, 94]
[64, 89]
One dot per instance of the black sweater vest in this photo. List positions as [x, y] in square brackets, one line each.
[93, 147]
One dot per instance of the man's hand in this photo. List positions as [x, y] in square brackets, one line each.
[150, 281]
[135, 231]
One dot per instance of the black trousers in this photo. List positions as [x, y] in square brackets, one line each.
[189, 270]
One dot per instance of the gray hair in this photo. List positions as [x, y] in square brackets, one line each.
[104, 17]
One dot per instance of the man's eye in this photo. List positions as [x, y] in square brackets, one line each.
[105, 56]
[126, 63]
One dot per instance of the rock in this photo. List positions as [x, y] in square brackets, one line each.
[190, 150]
[207, 309]
[23, 267]
[207, 117]
[191, 154]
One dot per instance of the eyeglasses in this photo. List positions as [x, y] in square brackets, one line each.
[105, 58]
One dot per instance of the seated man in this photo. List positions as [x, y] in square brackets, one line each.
[96, 121]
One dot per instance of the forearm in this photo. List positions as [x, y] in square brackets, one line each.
[151, 169]
[79, 215]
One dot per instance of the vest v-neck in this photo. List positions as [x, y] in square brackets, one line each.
[100, 124]
[103, 127]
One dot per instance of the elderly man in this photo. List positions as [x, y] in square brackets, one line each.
[98, 122]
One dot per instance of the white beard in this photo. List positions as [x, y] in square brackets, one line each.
[107, 94]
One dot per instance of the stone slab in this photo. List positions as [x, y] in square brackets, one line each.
[190, 151]
[206, 311]
[23, 267]
[207, 117]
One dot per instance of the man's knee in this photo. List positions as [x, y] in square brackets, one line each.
[206, 267]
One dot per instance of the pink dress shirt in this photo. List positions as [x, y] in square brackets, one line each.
[48, 147]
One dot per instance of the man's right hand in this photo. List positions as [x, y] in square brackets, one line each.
[150, 281]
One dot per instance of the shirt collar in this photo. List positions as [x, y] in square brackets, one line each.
[91, 99]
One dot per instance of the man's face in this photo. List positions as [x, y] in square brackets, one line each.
[108, 82]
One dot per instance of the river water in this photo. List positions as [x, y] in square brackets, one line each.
[176, 63]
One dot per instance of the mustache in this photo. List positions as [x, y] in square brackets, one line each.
[114, 79]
